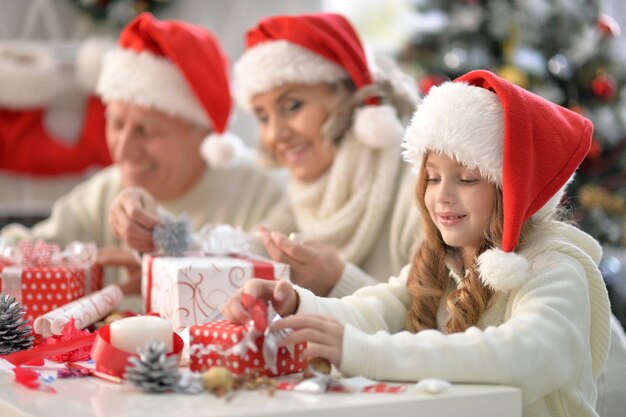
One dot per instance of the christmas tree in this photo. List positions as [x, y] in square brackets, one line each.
[562, 50]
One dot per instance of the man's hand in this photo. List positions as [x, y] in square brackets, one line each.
[133, 216]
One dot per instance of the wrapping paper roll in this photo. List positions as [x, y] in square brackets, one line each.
[85, 311]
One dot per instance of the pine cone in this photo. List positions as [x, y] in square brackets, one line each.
[15, 333]
[153, 371]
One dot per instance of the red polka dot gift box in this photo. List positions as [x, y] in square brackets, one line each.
[242, 350]
[45, 282]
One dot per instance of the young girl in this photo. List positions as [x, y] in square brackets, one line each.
[499, 291]
[335, 121]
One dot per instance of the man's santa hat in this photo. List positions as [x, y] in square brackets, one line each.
[312, 49]
[529, 147]
[179, 69]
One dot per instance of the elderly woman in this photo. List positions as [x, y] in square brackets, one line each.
[335, 121]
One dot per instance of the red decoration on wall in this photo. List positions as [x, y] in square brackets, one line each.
[26, 146]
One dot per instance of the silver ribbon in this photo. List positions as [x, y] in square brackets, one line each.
[80, 254]
[222, 239]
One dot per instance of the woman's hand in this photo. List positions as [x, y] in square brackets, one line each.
[123, 258]
[313, 265]
[133, 216]
[324, 335]
[280, 293]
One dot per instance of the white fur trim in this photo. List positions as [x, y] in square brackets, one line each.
[274, 63]
[460, 121]
[503, 271]
[150, 81]
[89, 62]
[222, 151]
[28, 75]
[377, 126]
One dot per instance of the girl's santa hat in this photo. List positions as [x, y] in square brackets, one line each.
[312, 49]
[179, 69]
[529, 147]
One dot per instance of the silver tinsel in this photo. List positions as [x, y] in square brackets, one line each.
[173, 236]
[153, 370]
[15, 334]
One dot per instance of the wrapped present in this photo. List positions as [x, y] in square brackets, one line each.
[42, 277]
[190, 290]
[243, 349]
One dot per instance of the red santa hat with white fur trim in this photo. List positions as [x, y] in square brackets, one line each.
[311, 49]
[179, 69]
[528, 146]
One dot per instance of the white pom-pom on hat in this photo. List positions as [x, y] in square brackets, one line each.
[89, 61]
[503, 271]
[377, 126]
[29, 75]
[222, 150]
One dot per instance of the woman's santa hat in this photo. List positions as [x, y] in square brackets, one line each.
[312, 49]
[179, 69]
[528, 146]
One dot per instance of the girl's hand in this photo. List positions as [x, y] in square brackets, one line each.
[280, 293]
[133, 216]
[324, 335]
[313, 265]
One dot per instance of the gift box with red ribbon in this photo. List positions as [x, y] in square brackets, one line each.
[42, 277]
[190, 290]
[244, 349]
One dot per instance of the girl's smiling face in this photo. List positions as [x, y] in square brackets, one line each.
[291, 118]
[459, 201]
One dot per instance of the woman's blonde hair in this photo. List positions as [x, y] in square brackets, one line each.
[392, 86]
[429, 279]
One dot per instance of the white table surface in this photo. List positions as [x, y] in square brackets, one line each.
[95, 397]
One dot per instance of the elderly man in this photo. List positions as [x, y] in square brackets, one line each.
[167, 97]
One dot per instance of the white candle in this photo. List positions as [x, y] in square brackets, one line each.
[134, 332]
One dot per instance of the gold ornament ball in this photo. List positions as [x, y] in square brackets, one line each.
[218, 378]
[514, 75]
[321, 365]
[113, 317]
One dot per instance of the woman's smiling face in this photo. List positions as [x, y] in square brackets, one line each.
[291, 118]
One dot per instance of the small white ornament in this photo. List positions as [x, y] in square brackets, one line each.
[433, 385]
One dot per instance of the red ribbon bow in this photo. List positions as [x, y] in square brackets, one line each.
[40, 253]
[257, 309]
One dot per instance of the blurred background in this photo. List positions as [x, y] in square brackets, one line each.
[568, 51]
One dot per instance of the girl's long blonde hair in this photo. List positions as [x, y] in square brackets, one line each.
[430, 279]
